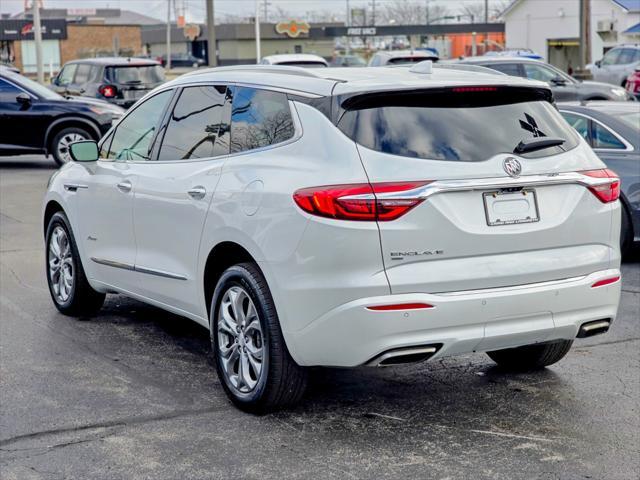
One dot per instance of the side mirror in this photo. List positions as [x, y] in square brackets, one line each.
[54, 80]
[23, 99]
[84, 151]
[558, 80]
[598, 63]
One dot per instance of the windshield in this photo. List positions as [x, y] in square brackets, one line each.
[445, 127]
[136, 74]
[40, 90]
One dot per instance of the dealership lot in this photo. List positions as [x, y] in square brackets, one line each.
[132, 394]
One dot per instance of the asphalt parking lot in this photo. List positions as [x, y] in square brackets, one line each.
[132, 394]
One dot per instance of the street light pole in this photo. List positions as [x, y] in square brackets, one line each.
[168, 63]
[258, 54]
[37, 36]
[211, 36]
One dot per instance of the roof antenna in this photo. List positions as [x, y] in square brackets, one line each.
[423, 67]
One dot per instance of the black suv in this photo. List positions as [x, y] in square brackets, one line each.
[35, 120]
[117, 80]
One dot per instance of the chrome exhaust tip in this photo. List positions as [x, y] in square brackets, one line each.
[402, 356]
[595, 327]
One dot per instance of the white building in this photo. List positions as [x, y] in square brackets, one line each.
[551, 28]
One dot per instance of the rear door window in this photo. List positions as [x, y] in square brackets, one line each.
[260, 118]
[512, 69]
[198, 126]
[465, 127]
[580, 123]
[603, 138]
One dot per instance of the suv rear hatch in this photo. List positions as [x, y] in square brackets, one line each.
[132, 82]
[482, 216]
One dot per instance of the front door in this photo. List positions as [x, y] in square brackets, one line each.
[106, 213]
[173, 194]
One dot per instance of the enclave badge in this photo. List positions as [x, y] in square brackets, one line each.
[512, 167]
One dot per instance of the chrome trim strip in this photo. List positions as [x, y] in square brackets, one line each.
[483, 291]
[111, 263]
[159, 273]
[134, 268]
[440, 186]
[72, 187]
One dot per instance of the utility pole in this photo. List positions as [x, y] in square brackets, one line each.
[211, 36]
[426, 12]
[347, 23]
[373, 13]
[258, 54]
[168, 63]
[486, 20]
[266, 4]
[585, 33]
[37, 36]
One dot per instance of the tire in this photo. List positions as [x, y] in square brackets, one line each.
[531, 357]
[253, 384]
[626, 232]
[70, 291]
[61, 141]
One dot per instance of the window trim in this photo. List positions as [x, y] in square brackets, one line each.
[628, 146]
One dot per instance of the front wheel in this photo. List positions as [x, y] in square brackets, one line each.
[252, 360]
[68, 285]
[531, 357]
[63, 140]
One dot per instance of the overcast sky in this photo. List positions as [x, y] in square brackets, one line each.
[195, 9]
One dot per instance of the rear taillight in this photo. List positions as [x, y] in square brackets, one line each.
[606, 281]
[108, 91]
[400, 306]
[608, 191]
[363, 201]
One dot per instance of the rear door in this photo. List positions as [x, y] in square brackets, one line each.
[480, 223]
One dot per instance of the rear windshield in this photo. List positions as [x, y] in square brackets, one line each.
[465, 127]
[136, 74]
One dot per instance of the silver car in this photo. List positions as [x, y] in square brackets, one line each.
[617, 64]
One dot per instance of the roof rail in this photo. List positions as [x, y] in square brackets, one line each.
[281, 69]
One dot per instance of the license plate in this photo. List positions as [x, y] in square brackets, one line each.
[134, 94]
[510, 208]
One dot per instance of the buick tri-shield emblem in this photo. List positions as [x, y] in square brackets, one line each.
[512, 167]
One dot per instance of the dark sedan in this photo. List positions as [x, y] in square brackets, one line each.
[613, 131]
[565, 88]
[35, 120]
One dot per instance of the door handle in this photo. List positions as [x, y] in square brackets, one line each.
[197, 192]
[125, 186]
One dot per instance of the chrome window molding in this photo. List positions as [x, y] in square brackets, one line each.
[627, 145]
[138, 268]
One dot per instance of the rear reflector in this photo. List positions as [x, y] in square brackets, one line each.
[401, 306]
[358, 201]
[606, 281]
[607, 192]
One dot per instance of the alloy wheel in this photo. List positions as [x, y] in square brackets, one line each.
[64, 144]
[240, 340]
[61, 271]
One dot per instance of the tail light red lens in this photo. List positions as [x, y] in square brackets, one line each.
[400, 306]
[608, 192]
[358, 201]
[108, 91]
[606, 281]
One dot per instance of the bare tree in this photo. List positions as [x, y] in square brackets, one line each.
[472, 13]
[412, 12]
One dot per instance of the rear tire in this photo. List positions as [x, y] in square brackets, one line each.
[626, 232]
[70, 291]
[531, 357]
[252, 360]
[62, 140]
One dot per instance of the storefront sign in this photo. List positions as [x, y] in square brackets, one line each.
[191, 31]
[292, 28]
[23, 29]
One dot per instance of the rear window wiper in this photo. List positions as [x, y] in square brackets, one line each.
[538, 143]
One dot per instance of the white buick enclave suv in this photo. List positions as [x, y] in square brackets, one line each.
[343, 217]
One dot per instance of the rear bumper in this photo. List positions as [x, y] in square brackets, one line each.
[461, 322]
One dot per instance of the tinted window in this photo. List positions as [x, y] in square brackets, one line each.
[141, 74]
[603, 138]
[132, 140]
[626, 56]
[507, 68]
[448, 127]
[581, 124]
[259, 118]
[611, 57]
[195, 123]
[83, 73]
[66, 75]
[8, 92]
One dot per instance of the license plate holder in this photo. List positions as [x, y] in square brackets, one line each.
[508, 207]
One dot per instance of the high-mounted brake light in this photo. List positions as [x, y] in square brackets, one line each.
[400, 306]
[608, 191]
[108, 91]
[473, 89]
[606, 281]
[362, 201]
